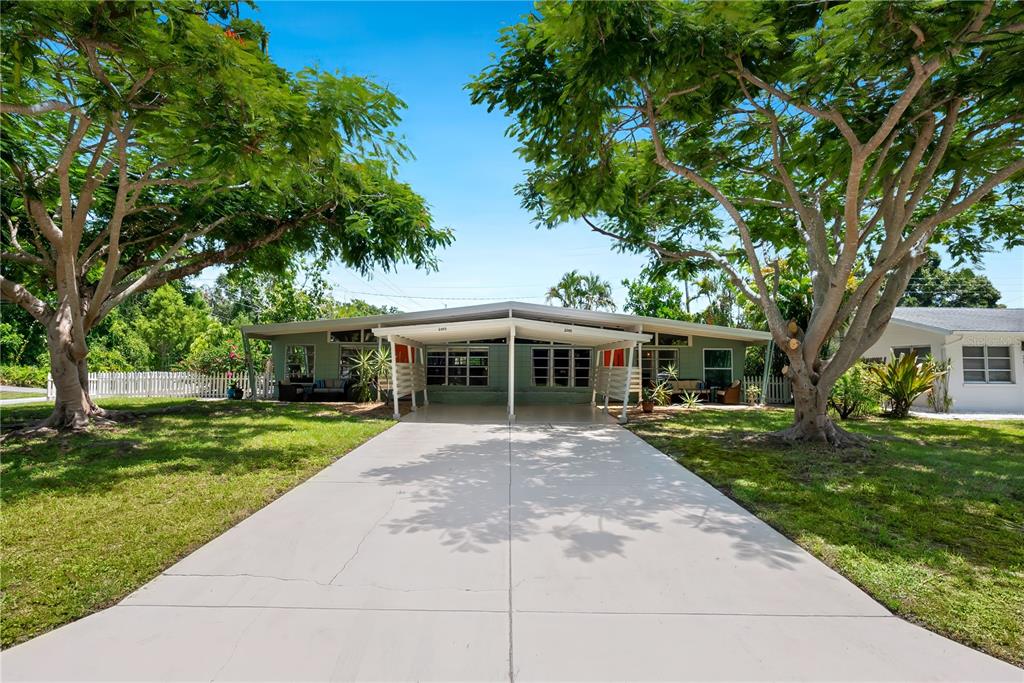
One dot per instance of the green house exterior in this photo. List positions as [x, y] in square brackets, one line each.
[556, 369]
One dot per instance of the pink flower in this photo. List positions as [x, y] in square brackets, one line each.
[230, 374]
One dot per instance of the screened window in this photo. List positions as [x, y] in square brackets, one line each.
[718, 367]
[665, 339]
[987, 364]
[560, 367]
[920, 352]
[458, 366]
[350, 336]
[299, 361]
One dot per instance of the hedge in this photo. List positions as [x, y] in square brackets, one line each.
[23, 375]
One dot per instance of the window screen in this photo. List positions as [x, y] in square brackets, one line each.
[987, 364]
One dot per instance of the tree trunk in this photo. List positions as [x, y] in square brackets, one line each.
[73, 408]
[811, 421]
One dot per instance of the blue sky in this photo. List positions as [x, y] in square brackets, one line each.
[465, 167]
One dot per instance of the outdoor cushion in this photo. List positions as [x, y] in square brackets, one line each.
[333, 383]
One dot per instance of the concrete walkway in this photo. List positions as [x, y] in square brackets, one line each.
[446, 551]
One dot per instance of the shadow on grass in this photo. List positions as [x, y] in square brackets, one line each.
[168, 438]
[941, 485]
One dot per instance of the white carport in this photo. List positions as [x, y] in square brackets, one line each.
[613, 382]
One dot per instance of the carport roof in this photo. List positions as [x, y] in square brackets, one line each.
[582, 335]
[510, 309]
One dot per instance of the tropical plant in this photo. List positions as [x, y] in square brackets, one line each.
[145, 142]
[371, 367]
[658, 394]
[588, 292]
[854, 393]
[689, 400]
[753, 394]
[365, 368]
[939, 399]
[847, 136]
[902, 379]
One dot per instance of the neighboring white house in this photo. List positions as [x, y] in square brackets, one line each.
[985, 347]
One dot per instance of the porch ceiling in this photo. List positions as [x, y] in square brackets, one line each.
[581, 335]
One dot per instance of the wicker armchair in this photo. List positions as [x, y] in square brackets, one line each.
[730, 395]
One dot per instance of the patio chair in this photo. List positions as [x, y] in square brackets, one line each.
[730, 395]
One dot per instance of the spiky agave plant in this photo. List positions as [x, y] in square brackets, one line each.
[902, 380]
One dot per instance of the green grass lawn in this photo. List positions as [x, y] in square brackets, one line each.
[930, 522]
[86, 519]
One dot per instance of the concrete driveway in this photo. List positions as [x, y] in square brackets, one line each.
[453, 551]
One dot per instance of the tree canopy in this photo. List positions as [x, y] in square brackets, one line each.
[143, 142]
[740, 135]
[588, 292]
[936, 286]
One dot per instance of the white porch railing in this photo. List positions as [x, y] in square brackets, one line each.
[779, 389]
[170, 384]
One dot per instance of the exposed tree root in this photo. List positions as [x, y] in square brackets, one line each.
[828, 435]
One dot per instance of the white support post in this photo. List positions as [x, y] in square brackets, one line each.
[594, 353]
[512, 373]
[423, 357]
[394, 378]
[629, 378]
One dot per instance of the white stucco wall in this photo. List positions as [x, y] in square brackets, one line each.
[968, 397]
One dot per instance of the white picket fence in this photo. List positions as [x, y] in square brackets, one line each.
[780, 390]
[170, 384]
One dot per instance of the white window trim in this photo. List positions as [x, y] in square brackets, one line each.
[704, 367]
[551, 366]
[447, 363]
[985, 357]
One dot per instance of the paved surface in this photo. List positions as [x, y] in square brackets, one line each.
[974, 417]
[442, 551]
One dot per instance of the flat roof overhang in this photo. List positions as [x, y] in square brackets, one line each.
[491, 328]
[504, 311]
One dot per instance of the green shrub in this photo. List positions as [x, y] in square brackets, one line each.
[23, 375]
[902, 380]
[855, 394]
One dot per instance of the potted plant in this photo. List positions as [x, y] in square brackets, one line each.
[234, 391]
[753, 394]
[659, 394]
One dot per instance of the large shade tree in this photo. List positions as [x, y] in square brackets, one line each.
[145, 142]
[740, 135]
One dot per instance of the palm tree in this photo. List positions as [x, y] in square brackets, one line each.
[588, 292]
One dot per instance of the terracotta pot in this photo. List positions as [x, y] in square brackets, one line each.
[647, 406]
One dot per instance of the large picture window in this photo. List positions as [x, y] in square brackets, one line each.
[559, 366]
[987, 364]
[299, 359]
[656, 364]
[458, 366]
[718, 367]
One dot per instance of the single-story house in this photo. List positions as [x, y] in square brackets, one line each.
[509, 353]
[985, 348]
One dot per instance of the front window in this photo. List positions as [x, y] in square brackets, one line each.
[665, 339]
[987, 364]
[919, 352]
[346, 336]
[559, 366]
[347, 361]
[299, 361]
[718, 367]
[458, 366]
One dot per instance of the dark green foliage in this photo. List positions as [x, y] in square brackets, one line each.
[935, 286]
